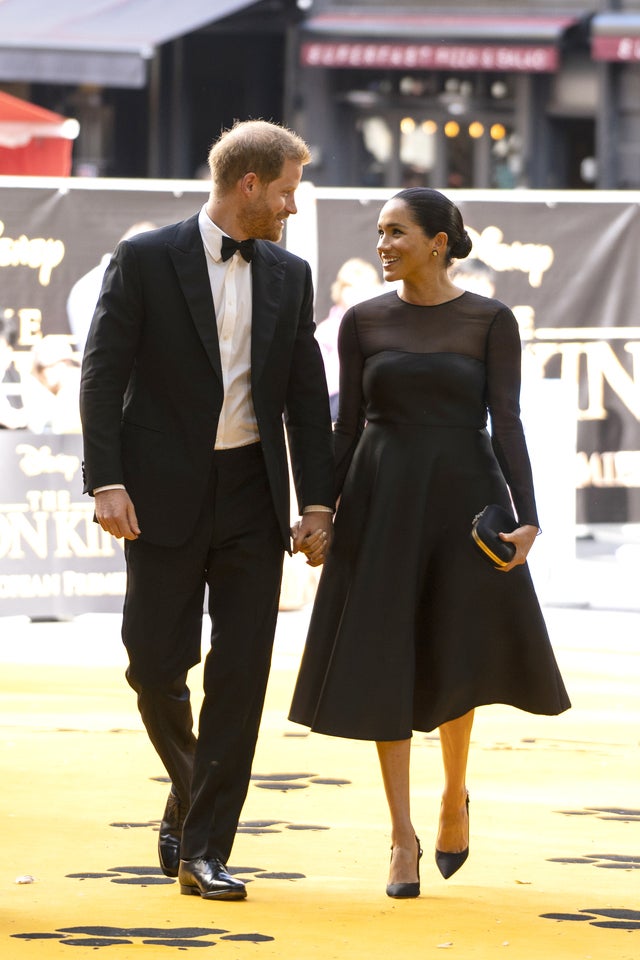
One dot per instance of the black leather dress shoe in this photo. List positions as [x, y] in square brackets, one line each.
[170, 836]
[209, 879]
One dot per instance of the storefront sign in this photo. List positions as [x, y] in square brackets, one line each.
[514, 58]
[616, 49]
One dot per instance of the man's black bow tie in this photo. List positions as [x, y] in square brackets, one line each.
[229, 247]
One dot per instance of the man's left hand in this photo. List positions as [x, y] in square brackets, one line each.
[312, 535]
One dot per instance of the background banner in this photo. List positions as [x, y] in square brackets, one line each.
[567, 263]
[54, 560]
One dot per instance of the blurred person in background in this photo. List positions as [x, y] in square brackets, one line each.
[355, 281]
[474, 275]
[52, 390]
[12, 412]
[84, 294]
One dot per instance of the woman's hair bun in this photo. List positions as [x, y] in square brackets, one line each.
[462, 247]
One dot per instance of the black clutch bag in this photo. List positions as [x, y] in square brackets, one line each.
[484, 532]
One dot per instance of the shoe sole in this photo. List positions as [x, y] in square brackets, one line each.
[411, 892]
[189, 891]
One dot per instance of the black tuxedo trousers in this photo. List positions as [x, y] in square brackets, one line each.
[236, 550]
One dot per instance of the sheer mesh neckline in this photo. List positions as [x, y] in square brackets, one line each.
[457, 326]
[430, 306]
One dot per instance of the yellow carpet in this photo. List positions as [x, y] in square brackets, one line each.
[555, 833]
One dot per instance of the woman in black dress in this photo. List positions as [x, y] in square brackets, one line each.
[412, 628]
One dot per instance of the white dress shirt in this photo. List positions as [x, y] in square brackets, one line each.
[231, 289]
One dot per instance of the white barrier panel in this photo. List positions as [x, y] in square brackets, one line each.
[54, 560]
[549, 419]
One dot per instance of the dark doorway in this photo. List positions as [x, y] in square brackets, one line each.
[573, 153]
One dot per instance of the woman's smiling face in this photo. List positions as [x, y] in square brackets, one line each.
[403, 246]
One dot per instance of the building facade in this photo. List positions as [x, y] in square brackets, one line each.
[536, 95]
[541, 95]
[150, 95]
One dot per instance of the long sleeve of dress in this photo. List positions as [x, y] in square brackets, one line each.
[351, 418]
[503, 361]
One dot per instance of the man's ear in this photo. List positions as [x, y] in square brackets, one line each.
[249, 183]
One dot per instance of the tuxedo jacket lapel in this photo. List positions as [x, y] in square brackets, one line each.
[267, 272]
[189, 260]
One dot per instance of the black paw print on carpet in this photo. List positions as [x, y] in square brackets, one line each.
[293, 781]
[153, 876]
[181, 937]
[610, 861]
[620, 814]
[138, 876]
[610, 918]
[255, 827]
[145, 876]
[273, 781]
[258, 827]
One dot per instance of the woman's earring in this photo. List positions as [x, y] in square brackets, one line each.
[434, 253]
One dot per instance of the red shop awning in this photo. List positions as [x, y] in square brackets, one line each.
[34, 141]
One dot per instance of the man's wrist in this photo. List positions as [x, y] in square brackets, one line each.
[317, 508]
[109, 486]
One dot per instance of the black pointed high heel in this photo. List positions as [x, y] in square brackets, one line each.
[450, 863]
[406, 891]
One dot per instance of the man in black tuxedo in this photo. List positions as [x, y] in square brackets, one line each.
[198, 348]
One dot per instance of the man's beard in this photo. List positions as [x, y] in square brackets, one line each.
[262, 224]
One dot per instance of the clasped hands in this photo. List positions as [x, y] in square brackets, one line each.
[312, 535]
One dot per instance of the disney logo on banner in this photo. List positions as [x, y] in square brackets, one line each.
[38, 460]
[533, 259]
[38, 254]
